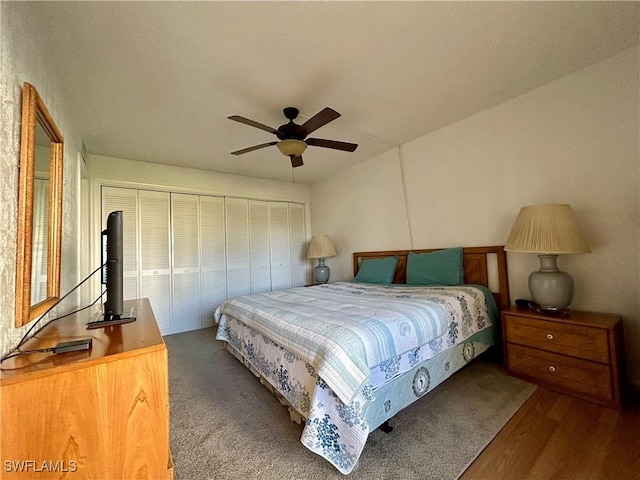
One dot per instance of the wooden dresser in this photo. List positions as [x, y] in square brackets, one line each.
[102, 413]
[579, 353]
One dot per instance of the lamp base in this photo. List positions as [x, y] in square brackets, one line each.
[321, 272]
[551, 288]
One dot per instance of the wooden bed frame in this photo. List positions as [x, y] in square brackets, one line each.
[477, 265]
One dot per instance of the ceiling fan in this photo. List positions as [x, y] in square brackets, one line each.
[293, 137]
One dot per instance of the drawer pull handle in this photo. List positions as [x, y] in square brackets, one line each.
[549, 336]
[552, 368]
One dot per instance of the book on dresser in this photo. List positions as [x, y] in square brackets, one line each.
[98, 413]
[577, 353]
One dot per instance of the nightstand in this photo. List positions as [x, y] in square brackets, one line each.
[577, 353]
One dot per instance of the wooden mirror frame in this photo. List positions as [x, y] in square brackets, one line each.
[34, 110]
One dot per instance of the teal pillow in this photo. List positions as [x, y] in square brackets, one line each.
[377, 270]
[442, 267]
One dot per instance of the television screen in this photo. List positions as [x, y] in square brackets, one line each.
[113, 304]
[112, 273]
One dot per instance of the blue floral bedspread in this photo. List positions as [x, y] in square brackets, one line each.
[327, 349]
[346, 329]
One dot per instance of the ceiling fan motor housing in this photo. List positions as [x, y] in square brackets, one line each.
[290, 130]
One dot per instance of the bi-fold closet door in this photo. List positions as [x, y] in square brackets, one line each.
[198, 260]
[265, 246]
[213, 258]
[188, 253]
[146, 248]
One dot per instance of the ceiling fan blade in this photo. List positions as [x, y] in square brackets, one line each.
[251, 149]
[318, 120]
[320, 142]
[253, 123]
[296, 161]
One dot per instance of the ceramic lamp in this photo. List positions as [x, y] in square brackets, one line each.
[321, 247]
[548, 230]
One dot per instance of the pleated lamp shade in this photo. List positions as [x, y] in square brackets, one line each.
[321, 247]
[546, 229]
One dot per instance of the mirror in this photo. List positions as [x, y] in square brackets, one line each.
[39, 210]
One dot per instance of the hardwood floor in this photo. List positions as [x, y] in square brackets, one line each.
[554, 436]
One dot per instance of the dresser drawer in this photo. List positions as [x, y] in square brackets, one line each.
[561, 372]
[579, 341]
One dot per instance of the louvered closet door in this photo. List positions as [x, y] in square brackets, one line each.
[155, 255]
[279, 243]
[259, 246]
[214, 258]
[125, 199]
[186, 263]
[297, 237]
[238, 265]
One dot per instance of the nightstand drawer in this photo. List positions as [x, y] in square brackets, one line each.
[561, 372]
[568, 339]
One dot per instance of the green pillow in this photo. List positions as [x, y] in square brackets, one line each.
[377, 270]
[442, 267]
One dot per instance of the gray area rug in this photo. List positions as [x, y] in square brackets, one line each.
[226, 425]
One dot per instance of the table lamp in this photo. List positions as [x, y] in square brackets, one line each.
[321, 247]
[548, 230]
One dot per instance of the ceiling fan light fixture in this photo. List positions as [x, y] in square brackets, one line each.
[291, 146]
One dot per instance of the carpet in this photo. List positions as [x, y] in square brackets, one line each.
[226, 425]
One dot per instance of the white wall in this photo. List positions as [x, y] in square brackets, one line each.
[361, 210]
[110, 170]
[574, 140]
[23, 60]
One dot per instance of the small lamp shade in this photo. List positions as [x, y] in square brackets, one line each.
[548, 230]
[321, 247]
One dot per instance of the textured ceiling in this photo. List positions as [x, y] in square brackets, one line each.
[156, 81]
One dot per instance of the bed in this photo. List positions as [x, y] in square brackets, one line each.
[346, 357]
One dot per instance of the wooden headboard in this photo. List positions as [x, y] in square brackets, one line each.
[477, 267]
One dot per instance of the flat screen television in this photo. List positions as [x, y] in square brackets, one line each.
[112, 274]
